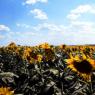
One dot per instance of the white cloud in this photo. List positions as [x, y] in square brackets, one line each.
[23, 25]
[39, 14]
[23, 37]
[81, 32]
[83, 9]
[1, 37]
[76, 13]
[49, 26]
[31, 2]
[72, 16]
[82, 25]
[78, 32]
[4, 28]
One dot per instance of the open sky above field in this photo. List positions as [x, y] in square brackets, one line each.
[30, 22]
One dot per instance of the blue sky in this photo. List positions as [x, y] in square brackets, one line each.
[31, 22]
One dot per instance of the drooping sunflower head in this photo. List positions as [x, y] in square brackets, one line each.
[83, 67]
[6, 91]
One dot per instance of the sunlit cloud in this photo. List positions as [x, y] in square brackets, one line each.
[4, 28]
[39, 14]
[81, 9]
[31, 2]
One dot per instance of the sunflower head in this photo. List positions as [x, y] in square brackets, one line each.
[83, 66]
[62, 46]
[6, 91]
[45, 46]
[39, 57]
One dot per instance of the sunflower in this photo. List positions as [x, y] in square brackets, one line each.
[6, 91]
[39, 57]
[45, 46]
[82, 65]
[62, 46]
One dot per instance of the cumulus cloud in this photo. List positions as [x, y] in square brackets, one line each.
[76, 13]
[31, 2]
[22, 25]
[4, 28]
[39, 14]
[78, 32]
[49, 27]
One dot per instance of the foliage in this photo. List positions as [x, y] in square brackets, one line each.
[47, 70]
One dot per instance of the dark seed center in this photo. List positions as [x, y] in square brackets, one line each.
[83, 66]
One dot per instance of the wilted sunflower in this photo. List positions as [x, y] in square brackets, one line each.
[83, 66]
[6, 91]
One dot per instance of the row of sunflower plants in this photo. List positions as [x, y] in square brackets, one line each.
[47, 70]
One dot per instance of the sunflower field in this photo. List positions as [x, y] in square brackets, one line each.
[47, 70]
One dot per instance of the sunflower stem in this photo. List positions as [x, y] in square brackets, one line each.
[91, 86]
